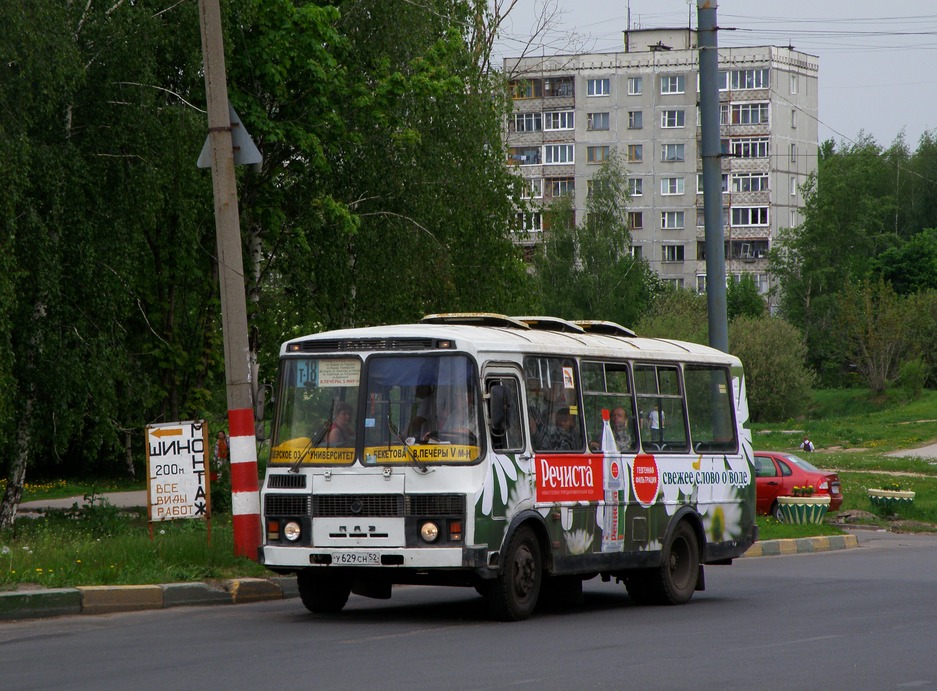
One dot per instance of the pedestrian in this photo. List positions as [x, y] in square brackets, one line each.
[807, 445]
[220, 460]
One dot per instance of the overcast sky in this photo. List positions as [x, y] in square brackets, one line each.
[878, 60]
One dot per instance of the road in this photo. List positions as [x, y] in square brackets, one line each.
[852, 619]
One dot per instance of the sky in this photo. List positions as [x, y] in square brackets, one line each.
[878, 60]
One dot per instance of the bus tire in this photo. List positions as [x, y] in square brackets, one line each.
[322, 593]
[679, 569]
[513, 594]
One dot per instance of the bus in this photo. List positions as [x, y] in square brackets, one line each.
[520, 456]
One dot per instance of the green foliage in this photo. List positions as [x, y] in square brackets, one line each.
[743, 299]
[911, 375]
[678, 314]
[777, 379]
[585, 270]
[874, 325]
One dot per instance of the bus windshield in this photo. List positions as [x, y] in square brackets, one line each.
[414, 410]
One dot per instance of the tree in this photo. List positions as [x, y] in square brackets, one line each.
[773, 354]
[676, 313]
[911, 266]
[586, 271]
[875, 327]
[743, 299]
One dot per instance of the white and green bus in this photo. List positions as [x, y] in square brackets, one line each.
[516, 455]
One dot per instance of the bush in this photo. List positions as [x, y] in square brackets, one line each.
[911, 375]
[773, 354]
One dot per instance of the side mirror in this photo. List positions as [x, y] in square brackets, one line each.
[497, 409]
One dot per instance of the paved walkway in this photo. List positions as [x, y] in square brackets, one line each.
[122, 499]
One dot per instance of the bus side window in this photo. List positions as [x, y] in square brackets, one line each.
[504, 414]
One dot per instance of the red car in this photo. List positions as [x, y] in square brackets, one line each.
[777, 474]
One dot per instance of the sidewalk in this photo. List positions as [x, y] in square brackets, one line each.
[32, 604]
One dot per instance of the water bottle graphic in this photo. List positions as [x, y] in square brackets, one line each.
[613, 524]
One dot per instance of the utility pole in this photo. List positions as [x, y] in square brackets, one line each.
[711, 152]
[245, 496]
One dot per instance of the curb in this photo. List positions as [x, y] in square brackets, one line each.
[802, 545]
[107, 599]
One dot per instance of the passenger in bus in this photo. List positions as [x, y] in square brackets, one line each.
[621, 429]
[461, 424]
[424, 414]
[539, 439]
[341, 433]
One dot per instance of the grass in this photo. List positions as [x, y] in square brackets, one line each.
[854, 432]
[100, 544]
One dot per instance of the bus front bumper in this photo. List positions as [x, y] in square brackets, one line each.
[468, 557]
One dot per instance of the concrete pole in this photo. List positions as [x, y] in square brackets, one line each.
[711, 152]
[245, 497]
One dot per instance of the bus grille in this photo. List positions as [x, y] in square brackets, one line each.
[286, 505]
[436, 505]
[387, 505]
[289, 481]
[373, 505]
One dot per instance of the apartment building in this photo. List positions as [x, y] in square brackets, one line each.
[570, 111]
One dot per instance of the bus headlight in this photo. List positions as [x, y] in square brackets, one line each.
[429, 531]
[292, 531]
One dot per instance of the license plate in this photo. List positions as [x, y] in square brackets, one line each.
[357, 558]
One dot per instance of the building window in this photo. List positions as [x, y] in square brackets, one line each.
[749, 182]
[793, 185]
[750, 113]
[635, 120]
[793, 152]
[671, 220]
[528, 122]
[559, 87]
[532, 188]
[743, 80]
[524, 155]
[635, 187]
[557, 187]
[635, 86]
[596, 154]
[528, 222]
[793, 118]
[597, 121]
[723, 114]
[598, 87]
[527, 88]
[672, 84]
[725, 183]
[670, 186]
[635, 220]
[558, 153]
[749, 215]
[700, 283]
[635, 153]
[793, 84]
[672, 118]
[559, 120]
[671, 253]
[750, 147]
[636, 251]
[672, 152]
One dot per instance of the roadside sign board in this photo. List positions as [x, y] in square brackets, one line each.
[177, 471]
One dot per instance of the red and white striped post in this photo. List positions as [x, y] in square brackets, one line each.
[245, 494]
[245, 498]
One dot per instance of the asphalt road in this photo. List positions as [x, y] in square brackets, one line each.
[852, 619]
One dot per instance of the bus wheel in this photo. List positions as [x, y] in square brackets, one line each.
[322, 593]
[679, 569]
[513, 594]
